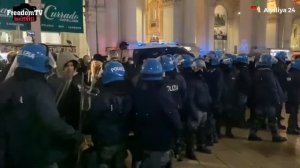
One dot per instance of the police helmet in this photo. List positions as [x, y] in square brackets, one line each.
[199, 63]
[152, 70]
[214, 57]
[113, 71]
[227, 61]
[296, 64]
[265, 60]
[282, 56]
[187, 60]
[168, 63]
[35, 57]
[232, 57]
[242, 58]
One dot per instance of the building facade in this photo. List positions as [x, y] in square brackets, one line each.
[230, 25]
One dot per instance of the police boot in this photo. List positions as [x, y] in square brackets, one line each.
[280, 126]
[203, 149]
[229, 132]
[191, 156]
[278, 138]
[293, 131]
[190, 142]
[254, 137]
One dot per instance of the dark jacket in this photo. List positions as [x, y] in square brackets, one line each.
[266, 92]
[215, 81]
[110, 112]
[199, 99]
[250, 99]
[176, 84]
[229, 89]
[243, 80]
[69, 103]
[156, 115]
[30, 123]
[281, 74]
[293, 86]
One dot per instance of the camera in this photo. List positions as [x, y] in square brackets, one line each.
[31, 34]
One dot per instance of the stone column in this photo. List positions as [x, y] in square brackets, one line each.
[103, 24]
[189, 22]
[205, 23]
[168, 20]
[285, 25]
[272, 31]
[131, 15]
[245, 27]
[178, 21]
[260, 27]
[198, 24]
[111, 26]
[90, 18]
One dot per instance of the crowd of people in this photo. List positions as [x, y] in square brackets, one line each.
[170, 106]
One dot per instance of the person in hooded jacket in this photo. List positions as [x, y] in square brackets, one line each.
[215, 81]
[266, 99]
[30, 122]
[279, 69]
[176, 85]
[110, 117]
[293, 103]
[229, 97]
[243, 82]
[157, 120]
[65, 86]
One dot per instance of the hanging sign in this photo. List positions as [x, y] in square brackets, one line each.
[7, 18]
[62, 16]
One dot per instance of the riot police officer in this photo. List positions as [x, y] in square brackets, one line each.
[243, 83]
[292, 105]
[266, 99]
[229, 97]
[176, 85]
[110, 112]
[215, 81]
[30, 122]
[157, 117]
[198, 104]
[279, 69]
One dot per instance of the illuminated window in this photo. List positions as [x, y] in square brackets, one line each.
[271, 5]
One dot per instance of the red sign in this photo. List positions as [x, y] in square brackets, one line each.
[253, 7]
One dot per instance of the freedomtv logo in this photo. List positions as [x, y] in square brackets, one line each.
[24, 13]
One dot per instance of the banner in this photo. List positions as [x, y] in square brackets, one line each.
[6, 21]
[62, 16]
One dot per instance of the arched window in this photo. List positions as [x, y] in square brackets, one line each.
[220, 28]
